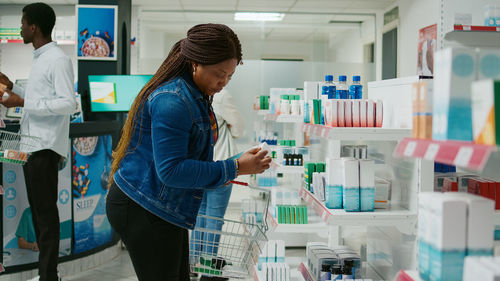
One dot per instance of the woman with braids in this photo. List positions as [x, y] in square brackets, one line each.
[163, 162]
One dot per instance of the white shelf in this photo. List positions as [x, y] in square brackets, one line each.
[395, 216]
[475, 36]
[290, 169]
[356, 133]
[262, 112]
[314, 225]
[289, 118]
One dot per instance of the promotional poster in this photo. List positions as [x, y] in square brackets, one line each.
[427, 46]
[90, 171]
[17, 219]
[97, 32]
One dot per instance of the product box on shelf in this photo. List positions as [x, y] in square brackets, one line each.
[350, 185]
[367, 185]
[492, 15]
[485, 115]
[333, 189]
[415, 97]
[448, 246]
[488, 63]
[455, 70]
[382, 193]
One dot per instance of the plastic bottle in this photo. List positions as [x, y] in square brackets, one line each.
[342, 90]
[356, 89]
[327, 92]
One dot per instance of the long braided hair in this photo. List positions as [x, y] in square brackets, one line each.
[205, 44]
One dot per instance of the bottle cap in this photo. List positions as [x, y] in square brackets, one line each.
[356, 78]
[342, 78]
[328, 77]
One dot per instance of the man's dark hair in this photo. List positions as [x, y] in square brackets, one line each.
[41, 15]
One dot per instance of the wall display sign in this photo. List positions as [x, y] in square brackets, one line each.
[91, 165]
[17, 218]
[427, 46]
[97, 32]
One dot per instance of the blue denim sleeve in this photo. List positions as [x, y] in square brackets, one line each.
[171, 125]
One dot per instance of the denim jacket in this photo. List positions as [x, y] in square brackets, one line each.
[169, 161]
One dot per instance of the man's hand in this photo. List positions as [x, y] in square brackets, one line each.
[6, 81]
[12, 100]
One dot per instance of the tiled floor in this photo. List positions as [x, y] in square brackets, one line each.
[118, 269]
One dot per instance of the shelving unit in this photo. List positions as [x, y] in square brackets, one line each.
[461, 154]
[356, 133]
[314, 225]
[401, 218]
[475, 36]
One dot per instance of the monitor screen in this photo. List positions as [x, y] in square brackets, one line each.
[115, 92]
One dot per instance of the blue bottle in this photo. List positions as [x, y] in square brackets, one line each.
[342, 90]
[356, 89]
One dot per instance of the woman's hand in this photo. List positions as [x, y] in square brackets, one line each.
[254, 161]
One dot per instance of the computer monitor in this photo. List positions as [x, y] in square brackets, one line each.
[115, 92]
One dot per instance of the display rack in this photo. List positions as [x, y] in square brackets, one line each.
[314, 225]
[476, 36]
[399, 217]
[356, 133]
[461, 154]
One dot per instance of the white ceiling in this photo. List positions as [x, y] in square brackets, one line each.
[305, 19]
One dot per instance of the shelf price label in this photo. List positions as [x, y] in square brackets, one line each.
[431, 152]
[410, 148]
[463, 156]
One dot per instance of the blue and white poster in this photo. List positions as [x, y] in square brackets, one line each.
[97, 32]
[90, 170]
[19, 237]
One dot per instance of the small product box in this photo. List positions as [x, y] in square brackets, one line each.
[333, 190]
[485, 115]
[450, 184]
[312, 90]
[350, 185]
[449, 232]
[382, 193]
[370, 114]
[348, 113]
[341, 113]
[415, 97]
[356, 122]
[425, 110]
[379, 113]
[455, 70]
[367, 185]
[363, 105]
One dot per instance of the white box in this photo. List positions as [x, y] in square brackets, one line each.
[356, 122]
[370, 114]
[455, 70]
[348, 113]
[271, 251]
[489, 64]
[335, 113]
[379, 113]
[334, 171]
[363, 105]
[341, 113]
[280, 251]
[312, 89]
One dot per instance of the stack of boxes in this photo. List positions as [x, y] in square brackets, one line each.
[422, 109]
[277, 95]
[455, 71]
[271, 263]
[287, 207]
[340, 263]
[485, 115]
[451, 227]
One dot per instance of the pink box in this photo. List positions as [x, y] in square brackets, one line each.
[355, 113]
[348, 113]
[331, 113]
[341, 114]
[335, 112]
[379, 113]
[370, 114]
[363, 104]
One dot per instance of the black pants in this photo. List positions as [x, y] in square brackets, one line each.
[40, 174]
[159, 250]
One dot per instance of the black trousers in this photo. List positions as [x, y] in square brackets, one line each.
[40, 174]
[159, 250]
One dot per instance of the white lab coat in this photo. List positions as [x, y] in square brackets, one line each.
[226, 112]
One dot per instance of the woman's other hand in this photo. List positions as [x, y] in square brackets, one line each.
[254, 161]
